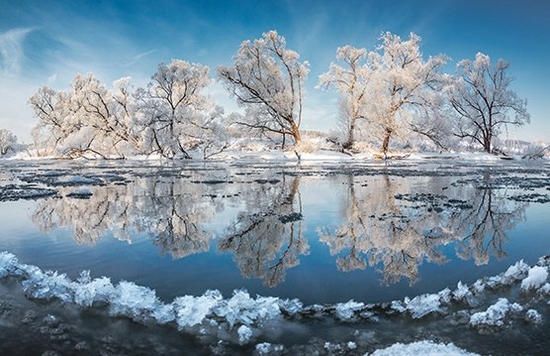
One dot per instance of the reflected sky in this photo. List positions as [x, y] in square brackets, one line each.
[366, 231]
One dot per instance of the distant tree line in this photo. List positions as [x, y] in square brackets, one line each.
[389, 93]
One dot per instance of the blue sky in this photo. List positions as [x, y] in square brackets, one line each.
[46, 42]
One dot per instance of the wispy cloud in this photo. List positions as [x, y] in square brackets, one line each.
[11, 50]
[136, 58]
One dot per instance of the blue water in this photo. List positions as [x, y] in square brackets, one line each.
[168, 226]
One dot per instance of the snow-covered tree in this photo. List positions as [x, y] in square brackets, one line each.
[482, 102]
[352, 81]
[51, 108]
[88, 118]
[390, 91]
[404, 85]
[105, 124]
[174, 114]
[7, 141]
[267, 79]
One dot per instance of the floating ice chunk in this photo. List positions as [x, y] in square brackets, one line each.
[495, 314]
[8, 264]
[545, 289]
[427, 348]
[245, 333]
[291, 306]
[265, 348]
[333, 348]
[139, 303]
[461, 291]
[191, 310]
[346, 311]
[398, 306]
[86, 292]
[48, 284]
[245, 310]
[536, 278]
[517, 270]
[533, 316]
[479, 286]
[351, 345]
[427, 303]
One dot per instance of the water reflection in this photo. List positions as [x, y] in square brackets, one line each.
[390, 222]
[268, 237]
[399, 223]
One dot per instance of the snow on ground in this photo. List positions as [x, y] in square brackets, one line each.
[266, 151]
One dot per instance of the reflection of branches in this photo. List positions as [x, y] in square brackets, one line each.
[376, 226]
[177, 211]
[268, 239]
[89, 218]
[169, 209]
[484, 227]
[401, 236]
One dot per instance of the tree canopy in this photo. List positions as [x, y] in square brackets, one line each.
[388, 93]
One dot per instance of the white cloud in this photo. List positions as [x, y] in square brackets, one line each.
[11, 50]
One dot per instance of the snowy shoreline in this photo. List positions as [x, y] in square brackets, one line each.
[244, 320]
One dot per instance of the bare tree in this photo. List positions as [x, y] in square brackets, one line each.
[267, 80]
[482, 101]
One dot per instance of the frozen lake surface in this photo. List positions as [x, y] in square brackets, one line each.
[274, 257]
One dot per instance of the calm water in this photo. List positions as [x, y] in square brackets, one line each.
[324, 232]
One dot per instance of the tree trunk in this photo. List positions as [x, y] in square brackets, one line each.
[487, 142]
[351, 136]
[295, 133]
[386, 142]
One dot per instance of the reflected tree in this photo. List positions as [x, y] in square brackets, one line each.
[388, 234]
[482, 229]
[106, 209]
[169, 209]
[174, 216]
[267, 238]
[389, 224]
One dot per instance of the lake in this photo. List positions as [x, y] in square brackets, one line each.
[321, 233]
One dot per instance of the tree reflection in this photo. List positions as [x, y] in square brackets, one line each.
[107, 209]
[482, 229]
[169, 209]
[378, 231]
[267, 238]
[388, 222]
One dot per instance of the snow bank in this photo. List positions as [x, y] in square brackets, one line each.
[241, 312]
[425, 348]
